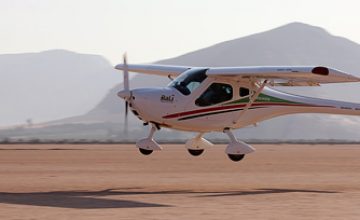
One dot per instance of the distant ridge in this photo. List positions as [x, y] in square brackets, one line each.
[51, 85]
[292, 44]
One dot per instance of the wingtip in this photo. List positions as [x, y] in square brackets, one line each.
[353, 78]
[356, 78]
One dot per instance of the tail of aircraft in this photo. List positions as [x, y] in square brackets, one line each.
[302, 104]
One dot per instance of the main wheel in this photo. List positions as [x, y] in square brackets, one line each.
[236, 157]
[196, 152]
[145, 151]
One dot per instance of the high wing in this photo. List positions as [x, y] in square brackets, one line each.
[276, 75]
[285, 75]
[162, 70]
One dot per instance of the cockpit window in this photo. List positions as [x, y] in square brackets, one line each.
[216, 93]
[188, 81]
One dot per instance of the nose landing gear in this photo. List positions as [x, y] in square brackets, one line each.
[148, 145]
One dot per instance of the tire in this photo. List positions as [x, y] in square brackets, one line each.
[145, 151]
[196, 152]
[236, 157]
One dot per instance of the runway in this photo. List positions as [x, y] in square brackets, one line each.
[117, 182]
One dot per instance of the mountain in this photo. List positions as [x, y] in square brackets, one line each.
[51, 85]
[291, 44]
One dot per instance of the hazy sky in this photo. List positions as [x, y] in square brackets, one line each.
[157, 29]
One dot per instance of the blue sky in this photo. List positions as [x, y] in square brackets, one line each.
[157, 29]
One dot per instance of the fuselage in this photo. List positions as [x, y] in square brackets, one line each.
[192, 111]
[206, 99]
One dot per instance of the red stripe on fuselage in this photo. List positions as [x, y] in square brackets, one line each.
[202, 111]
[180, 114]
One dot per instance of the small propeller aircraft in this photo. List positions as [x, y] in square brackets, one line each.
[220, 99]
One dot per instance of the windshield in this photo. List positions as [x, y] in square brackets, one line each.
[189, 80]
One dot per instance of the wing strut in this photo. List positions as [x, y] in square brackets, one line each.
[251, 101]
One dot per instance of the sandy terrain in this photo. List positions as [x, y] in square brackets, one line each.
[116, 182]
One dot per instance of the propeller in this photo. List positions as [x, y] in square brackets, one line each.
[125, 93]
[126, 86]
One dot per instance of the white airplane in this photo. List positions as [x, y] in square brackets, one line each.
[220, 99]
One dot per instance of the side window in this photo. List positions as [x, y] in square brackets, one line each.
[244, 91]
[216, 93]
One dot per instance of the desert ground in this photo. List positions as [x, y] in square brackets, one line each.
[117, 182]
